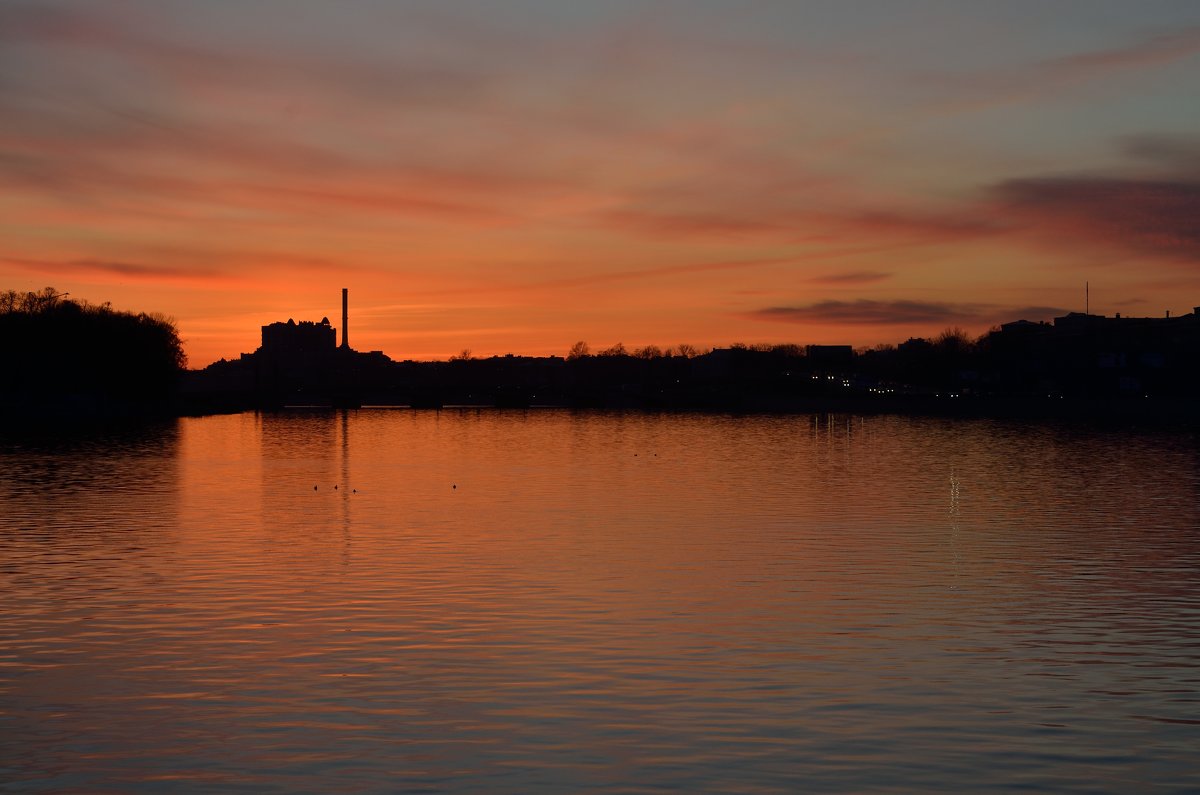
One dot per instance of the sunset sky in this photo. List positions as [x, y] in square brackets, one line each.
[515, 176]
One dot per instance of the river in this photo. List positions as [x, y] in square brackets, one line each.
[556, 601]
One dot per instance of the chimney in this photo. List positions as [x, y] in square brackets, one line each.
[345, 318]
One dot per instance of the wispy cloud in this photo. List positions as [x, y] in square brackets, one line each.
[647, 273]
[688, 224]
[901, 313]
[1030, 81]
[1173, 154]
[1149, 216]
[122, 33]
[133, 270]
[851, 277]
[801, 224]
[865, 311]
[1150, 51]
[215, 267]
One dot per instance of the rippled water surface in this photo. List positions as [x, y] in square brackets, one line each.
[553, 602]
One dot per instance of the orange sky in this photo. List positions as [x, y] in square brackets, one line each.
[517, 180]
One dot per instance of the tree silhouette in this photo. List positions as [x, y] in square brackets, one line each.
[53, 347]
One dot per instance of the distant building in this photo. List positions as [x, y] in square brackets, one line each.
[1078, 319]
[1024, 326]
[292, 339]
[830, 355]
[914, 345]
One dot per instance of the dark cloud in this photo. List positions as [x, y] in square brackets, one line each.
[134, 270]
[865, 311]
[886, 313]
[1155, 212]
[1152, 216]
[138, 269]
[783, 219]
[1173, 153]
[852, 277]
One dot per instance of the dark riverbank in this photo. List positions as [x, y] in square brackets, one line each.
[71, 361]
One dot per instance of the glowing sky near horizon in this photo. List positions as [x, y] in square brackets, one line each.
[516, 176]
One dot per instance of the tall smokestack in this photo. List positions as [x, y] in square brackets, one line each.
[345, 318]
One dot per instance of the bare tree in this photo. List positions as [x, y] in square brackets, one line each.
[649, 352]
[578, 351]
[953, 340]
[31, 303]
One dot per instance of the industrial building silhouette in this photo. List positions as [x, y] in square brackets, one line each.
[306, 338]
[298, 362]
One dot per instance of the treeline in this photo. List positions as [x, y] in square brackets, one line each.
[952, 342]
[582, 350]
[59, 355]
[1083, 356]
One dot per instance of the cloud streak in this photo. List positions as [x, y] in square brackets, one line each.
[132, 270]
[167, 56]
[1036, 80]
[1147, 216]
[901, 313]
[1173, 154]
[851, 278]
[786, 222]
[1150, 51]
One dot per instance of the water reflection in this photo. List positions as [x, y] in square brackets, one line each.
[111, 487]
[549, 601]
[85, 517]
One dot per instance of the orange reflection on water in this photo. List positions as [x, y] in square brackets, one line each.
[552, 600]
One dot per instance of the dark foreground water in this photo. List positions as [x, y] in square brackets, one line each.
[555, 602]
